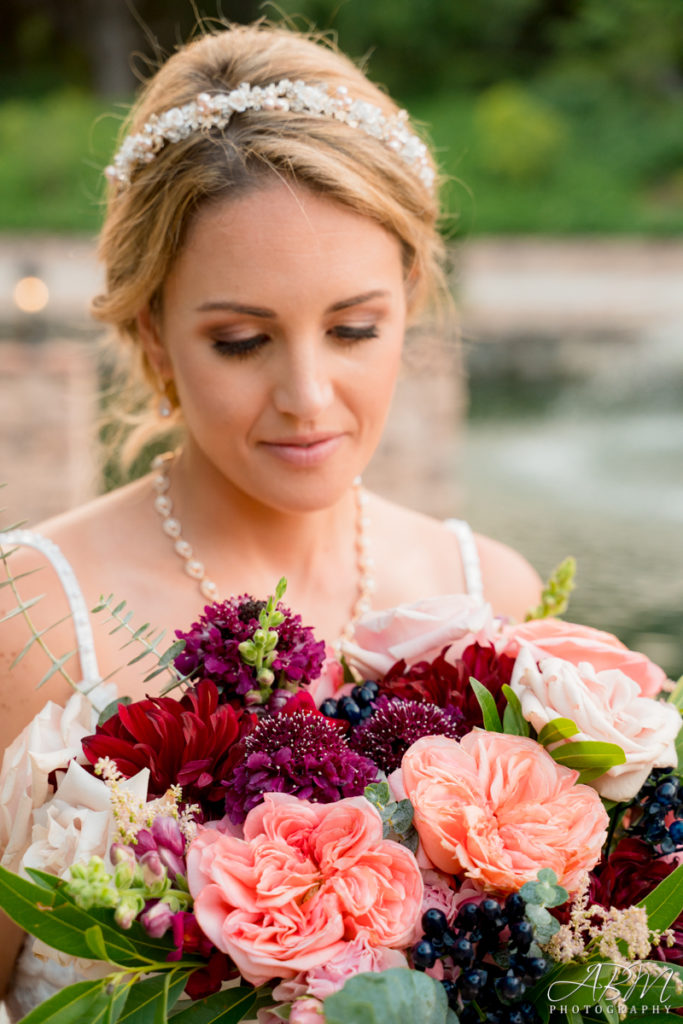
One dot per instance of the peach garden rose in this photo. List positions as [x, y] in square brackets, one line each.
[496, 809]
[306, 880]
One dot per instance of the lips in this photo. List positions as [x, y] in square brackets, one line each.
[304, 449]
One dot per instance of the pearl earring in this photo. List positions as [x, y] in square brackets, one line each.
[164, 407]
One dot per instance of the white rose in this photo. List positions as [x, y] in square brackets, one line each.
[417, 632]
[606, 706]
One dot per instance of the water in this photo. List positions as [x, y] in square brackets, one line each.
[588, 463]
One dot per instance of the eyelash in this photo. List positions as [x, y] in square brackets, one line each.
[242, 347]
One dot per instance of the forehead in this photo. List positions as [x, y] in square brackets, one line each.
[281, 238]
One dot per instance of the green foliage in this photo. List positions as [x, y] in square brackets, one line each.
[396, 815]
[517, 136]
[590, 758]
[556, 592]
[488, 707]
[389, 997]
[664, 903]
[514, 722]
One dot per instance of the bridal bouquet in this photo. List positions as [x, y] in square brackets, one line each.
[460, 819]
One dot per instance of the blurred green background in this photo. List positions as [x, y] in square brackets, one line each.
[550, 116]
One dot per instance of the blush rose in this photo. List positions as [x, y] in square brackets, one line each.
[303, 883]
[496, 809]
[417, 632]
[577, 643]
[606, 706]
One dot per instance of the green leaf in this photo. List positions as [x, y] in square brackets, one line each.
[226, 1007]
[24, 606]
[676, 695]
[584, 754]
[73, 1005]
[378, 793]
[555, 594]
[118, 989]
[93, 936]
[145, 996]
[665, 903]
[492, 722]
[588, 774]
[514, 722]
[395, 996]
[558, 729]
[112, 708]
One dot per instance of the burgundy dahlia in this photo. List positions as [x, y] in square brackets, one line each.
[192, 742]
[447, 684]
[397, 724]
[212, 647]
[303, 754]
[626, 877]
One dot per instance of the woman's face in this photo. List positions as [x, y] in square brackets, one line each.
[282, 327]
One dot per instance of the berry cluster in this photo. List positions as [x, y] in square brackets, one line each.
[661, 797]
[471, 952]
[355, 708]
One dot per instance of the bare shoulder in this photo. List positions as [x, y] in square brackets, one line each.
[417, 556]
[511, 585]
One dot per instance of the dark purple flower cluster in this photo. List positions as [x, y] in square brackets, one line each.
[396, 724]
[212, 647]
[303, 754]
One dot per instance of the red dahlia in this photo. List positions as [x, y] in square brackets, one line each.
[192, 742]
[447, 684]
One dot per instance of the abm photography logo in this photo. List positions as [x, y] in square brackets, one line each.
[643, 988]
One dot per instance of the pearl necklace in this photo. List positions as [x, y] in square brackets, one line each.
[194, 568]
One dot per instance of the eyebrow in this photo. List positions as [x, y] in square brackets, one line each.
[260, 311]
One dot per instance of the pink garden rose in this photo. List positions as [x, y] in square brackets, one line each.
[330, 680]
[496, 809]
[305, 881]
[357, 957]
[577, 643]
[417, 632]
[607, 706]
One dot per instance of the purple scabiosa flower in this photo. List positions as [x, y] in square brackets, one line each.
[303, 754]
[212, 648]
[397, 724]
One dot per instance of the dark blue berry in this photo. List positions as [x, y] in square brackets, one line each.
[329, 707]
[366, 712]
[510, 987]
[489, 909]
[516, 1017]
[528, 1012]
[449, 940]
[467, 917]
[372, 686]
[462, 952]
[521, 935]
[449, 988]
[536, 967]
[655, 832]
[349, 710]
[515, 907]
[666, 792]
[471, 982]
[434, 922]
[667, 845]
[676, 832]
[654, 809]
[424, 955]
[359, 696]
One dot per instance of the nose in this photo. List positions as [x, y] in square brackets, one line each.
[303, 382]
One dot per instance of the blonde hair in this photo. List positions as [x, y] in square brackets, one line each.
[146, 223]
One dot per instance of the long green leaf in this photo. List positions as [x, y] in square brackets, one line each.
[556, 730]
[24, 606]
[665, 903]
[145, 995]
[492, 722]
[226, 1007]
[73, 1005]
[584, 754]
[514, 722]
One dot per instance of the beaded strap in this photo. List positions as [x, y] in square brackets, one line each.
[77, 605]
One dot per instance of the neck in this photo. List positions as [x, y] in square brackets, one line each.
[247, 544]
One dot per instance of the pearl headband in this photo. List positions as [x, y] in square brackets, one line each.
[216, 111]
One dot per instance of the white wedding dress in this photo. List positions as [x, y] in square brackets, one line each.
[37, 977]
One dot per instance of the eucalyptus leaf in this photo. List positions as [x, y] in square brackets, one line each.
[399, 816]
[228, 1006]
[545, 925]
[378, 794]
[112, 708]
[492, 722]
[395, 996]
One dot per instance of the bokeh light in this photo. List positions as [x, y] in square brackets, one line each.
[31, 294]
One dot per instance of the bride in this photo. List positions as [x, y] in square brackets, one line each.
[264, 253]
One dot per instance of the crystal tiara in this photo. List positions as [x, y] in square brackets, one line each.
[215, 111]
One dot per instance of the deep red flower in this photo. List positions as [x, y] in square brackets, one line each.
[189, 938]
[626, 877]
[193, 742]
[447, 684]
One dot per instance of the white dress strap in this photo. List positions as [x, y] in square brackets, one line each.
[91, 678]
[469, 555]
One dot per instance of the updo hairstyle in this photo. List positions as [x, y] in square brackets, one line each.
[147, 221]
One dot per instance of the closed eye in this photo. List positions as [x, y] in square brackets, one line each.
[345, 332]
[240, 346]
